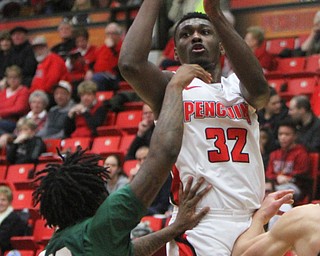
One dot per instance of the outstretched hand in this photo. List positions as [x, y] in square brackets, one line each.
[272, 202]
[187, 218]
[211, 7]
[187, 72]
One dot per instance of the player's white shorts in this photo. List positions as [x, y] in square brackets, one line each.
[213, 236]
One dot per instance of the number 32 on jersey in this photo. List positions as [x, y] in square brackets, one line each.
[223, 153]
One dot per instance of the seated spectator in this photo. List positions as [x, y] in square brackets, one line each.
[117, 177]
[67, 43]
[274, 111]
[6, 50]
[22, 55]
[51, 68]
[256, 41]
[289, 166]
[308, 124]
[38, 101]
[105, 71]
[26, 147]
[161, 203]
[145, 130]
[14, 100]
[84, 118]
[57, 115]
[82, 58]
[11, 224]
[310, 46]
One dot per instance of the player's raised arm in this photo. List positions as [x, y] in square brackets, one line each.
[167, 137]
[244, 63]
[145, 77]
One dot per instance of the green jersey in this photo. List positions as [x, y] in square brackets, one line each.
[107, 233]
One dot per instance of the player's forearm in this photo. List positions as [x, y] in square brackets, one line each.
[164, 148]
[149, 244]
[137, 43]
[244, 63]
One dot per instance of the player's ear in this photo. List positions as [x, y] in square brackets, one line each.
[176, 57]
[222, 51]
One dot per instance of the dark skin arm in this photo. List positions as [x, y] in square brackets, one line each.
[254, 86]
[186, 219]
[146, 78]
[167, 137]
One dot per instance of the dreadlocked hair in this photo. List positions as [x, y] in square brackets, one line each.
[188, 16]
[71, 191]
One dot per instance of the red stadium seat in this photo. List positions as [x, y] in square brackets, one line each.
[128, 165]
[154, 222]
[106, 145]
[71, 144]
[3, 173]
[41, 236]
[313, 65]
[20, 175]
[298, 86]
[22, 199]
[278, 84]
[276, 45]
[125, 142]
[104, 95]
[289, 67]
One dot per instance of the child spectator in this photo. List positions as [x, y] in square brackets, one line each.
[26, 147]
[289, 166]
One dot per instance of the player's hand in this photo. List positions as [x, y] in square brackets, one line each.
[211, 7]
[187, 218]
[187, 72]
[271, 204]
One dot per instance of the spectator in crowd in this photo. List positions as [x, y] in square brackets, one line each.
[38, 101]
[81, 5]
[51, 68]
[161, 203]
[256, 41]
[84, 118]
[67, 43]
[6, 49]
[289, 166]
[82, 58]
[26, 147]
[117, 177]
[14, 100]
[105, 71]
[57, 115]
[11, 224]
[145, 130]
[312, 44]
[23, 54]
[274, 111]
[308, 124]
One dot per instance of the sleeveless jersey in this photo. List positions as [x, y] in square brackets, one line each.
[221, 144]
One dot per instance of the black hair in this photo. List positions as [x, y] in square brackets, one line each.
[81, 32]
[188, 16]
[302, 101]
[70, 191]
[288, 122]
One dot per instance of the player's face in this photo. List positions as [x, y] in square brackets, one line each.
[197, 42]
[286, 136]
